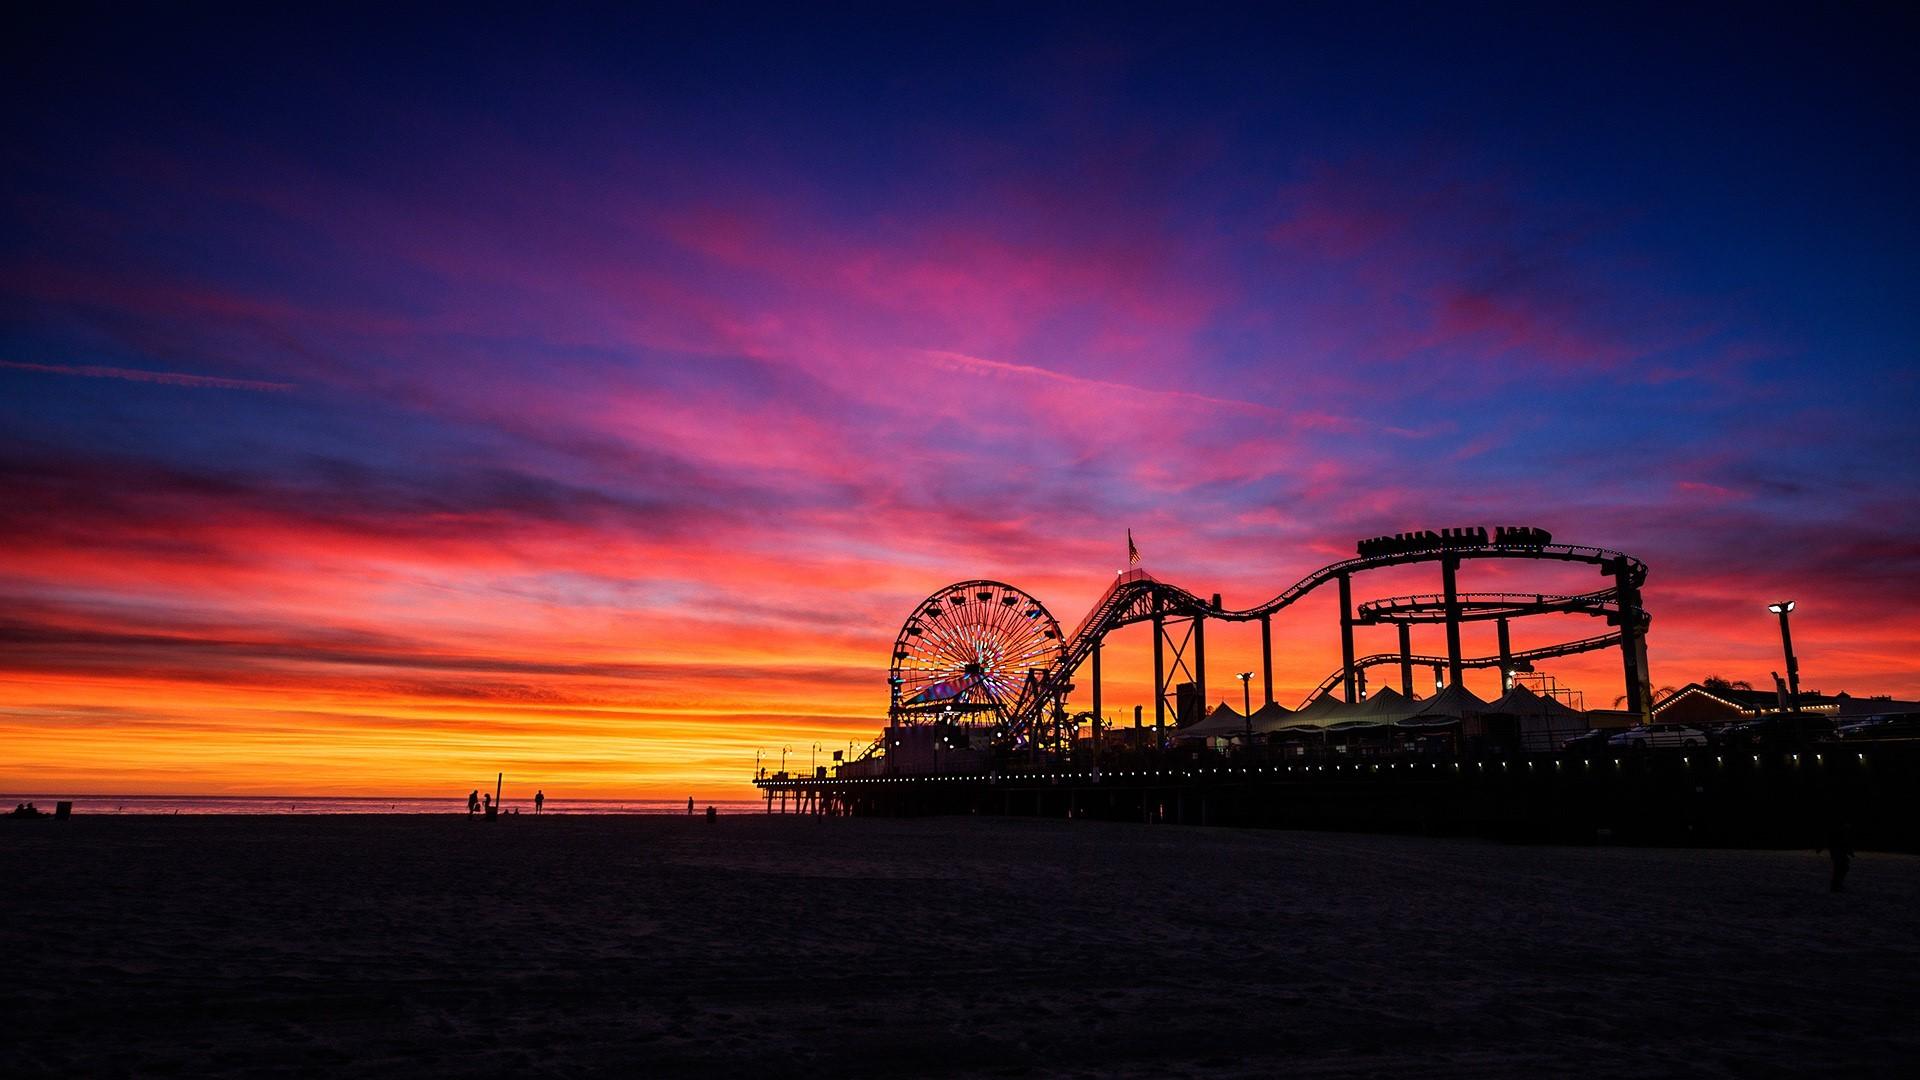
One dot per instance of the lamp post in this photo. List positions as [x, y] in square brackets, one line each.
[813, 762]
[1783, 609]
[756, 765]
[783, 757]
[1246, 703]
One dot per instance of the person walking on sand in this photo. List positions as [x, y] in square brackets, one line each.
[1840, 849]
[486, 803]
[473, 802]
[689, 806]
[539, 800]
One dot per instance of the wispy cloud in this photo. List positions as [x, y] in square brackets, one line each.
[163, 378]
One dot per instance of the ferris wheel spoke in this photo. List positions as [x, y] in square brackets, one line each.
[940, 638]
[947, 635]
[952, 655]
[972, 645]
[1025, 659]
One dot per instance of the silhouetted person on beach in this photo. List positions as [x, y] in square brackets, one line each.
[1840, 849]
[539, 800]
[711, 815]
[486, 804]
[473, 802]
[689, 806]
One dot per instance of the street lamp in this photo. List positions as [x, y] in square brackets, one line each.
[756, 765]
[1246, 702]
[1783, 609]
[813, 763]
[783, 757]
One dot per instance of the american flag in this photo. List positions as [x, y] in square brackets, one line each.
[1133, 553]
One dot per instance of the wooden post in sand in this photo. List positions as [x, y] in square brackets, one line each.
[498, 779]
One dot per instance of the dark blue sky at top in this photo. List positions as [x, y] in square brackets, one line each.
[1748, 145]
[1588, 260]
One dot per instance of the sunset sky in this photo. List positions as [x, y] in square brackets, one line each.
[591, 396]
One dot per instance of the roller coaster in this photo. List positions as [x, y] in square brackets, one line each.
[985, 649]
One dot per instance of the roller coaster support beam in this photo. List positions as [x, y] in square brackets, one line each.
[1159, 672]
[1406, 661]
[1506, 658]
[1097, 714]
[1633, 644]
[1200, 661]
[1266, 655]
[1449, 574]
[1346, 634]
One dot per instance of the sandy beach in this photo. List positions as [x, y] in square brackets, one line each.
[436, 946]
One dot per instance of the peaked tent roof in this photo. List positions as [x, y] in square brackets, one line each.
[1521, 701]
[1388, 700]
[1223, 721]
[1378, 710]
[1273, 716]
[1319, 711]
[1444, 708]
[1339, 712]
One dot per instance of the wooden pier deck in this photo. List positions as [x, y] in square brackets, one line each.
[1713, 796]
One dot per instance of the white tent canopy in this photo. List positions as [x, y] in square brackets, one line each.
[1379, 710]
[1447, 707]
[1521, 701]
[1274, 716]
[1222, 723]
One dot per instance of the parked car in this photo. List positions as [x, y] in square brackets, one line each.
[1655, 735]
[1889, 726]
[1776, 728]
[1590, 742]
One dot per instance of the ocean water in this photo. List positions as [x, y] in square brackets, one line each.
[301, 804]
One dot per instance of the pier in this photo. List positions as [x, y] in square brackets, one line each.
[1697, 797]
[980, 721]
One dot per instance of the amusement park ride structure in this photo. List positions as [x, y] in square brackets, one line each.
[984, 650]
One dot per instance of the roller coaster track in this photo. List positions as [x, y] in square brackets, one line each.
[1592, 644]
[1137, 596]
[1480, 607]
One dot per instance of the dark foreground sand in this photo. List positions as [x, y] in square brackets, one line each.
[663, 946]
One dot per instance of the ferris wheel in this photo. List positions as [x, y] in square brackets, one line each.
[970, 648]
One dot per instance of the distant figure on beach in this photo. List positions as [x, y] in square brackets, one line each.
[1840, 849]
[689, 806]
[539, 800]
[473, 802]
[711, 815]
[486, 803]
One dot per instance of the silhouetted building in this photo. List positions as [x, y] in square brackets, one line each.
[1187, 706]
[1698, 705]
